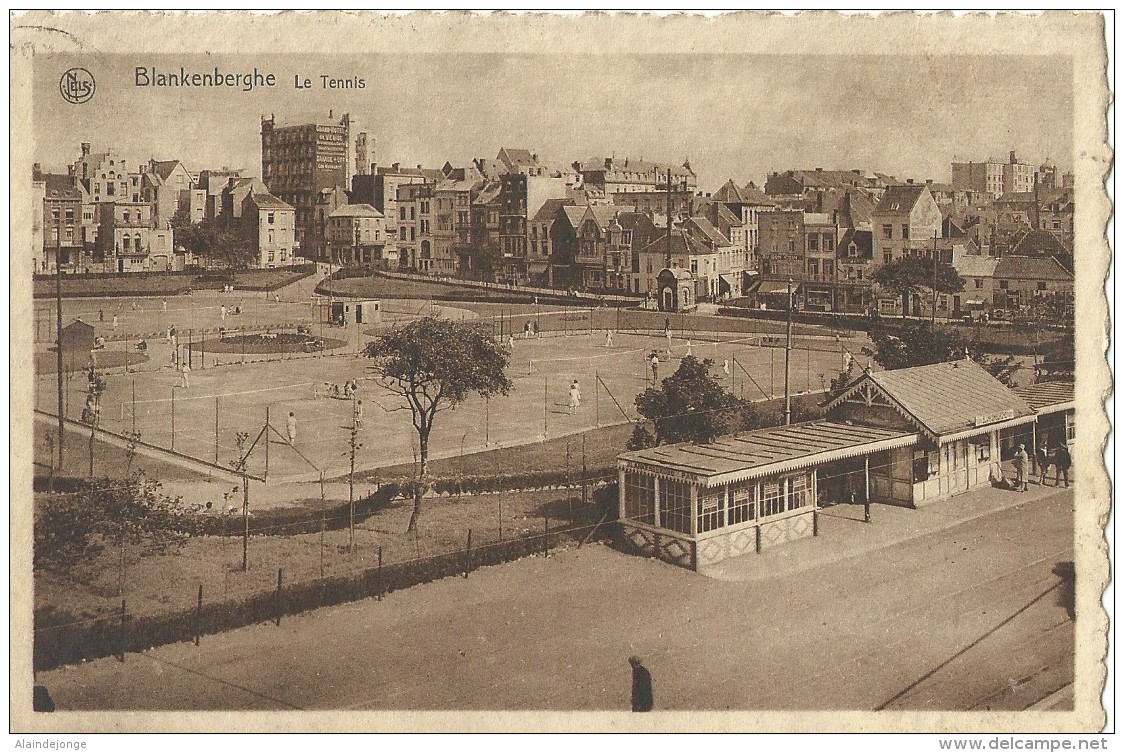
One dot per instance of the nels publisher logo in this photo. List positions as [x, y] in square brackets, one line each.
[77, 86]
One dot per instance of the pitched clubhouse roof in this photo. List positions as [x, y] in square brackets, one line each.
[945, 398]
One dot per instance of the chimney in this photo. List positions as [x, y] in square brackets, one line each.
[419, 166]
[909, 181]
[608, 163]
[329, 114]
[85, 148]
[36, 171]
[928, 181]
[1013, 158]
[394, 167]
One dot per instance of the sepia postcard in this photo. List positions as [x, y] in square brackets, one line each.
[572, 372]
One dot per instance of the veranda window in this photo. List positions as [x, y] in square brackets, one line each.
[711, 504]
[675, 506]
[799, 491]
[772, 497]
[743, 502]
[639, 497]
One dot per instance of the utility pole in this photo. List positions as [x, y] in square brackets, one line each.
[788, 359]
[933, 313]
[58, 338]
[667, 260]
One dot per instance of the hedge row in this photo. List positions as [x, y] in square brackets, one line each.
[292, 521]
[75, 642]
[507, 482]
[993, 338]
[168, 283]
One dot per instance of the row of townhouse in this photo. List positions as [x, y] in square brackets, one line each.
[832, 258]
[105, 214]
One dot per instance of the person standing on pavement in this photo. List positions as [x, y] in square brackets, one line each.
[575, 396]
[185, 371]
[1042, 459]
[1062, 462]
[358, 414]
[1021, 461]
[655, 367]
[642, 699]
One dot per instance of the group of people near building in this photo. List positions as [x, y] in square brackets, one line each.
[1043, 459]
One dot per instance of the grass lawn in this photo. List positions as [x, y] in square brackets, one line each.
[157, 582]
[602, 445]
[109, 460]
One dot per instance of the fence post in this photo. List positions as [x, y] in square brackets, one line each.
[278, 597]
[815, 521]
[323, 523]
[124, 637]
[199, 615]
[499, 497]
[546, 537]
[757, 538]
[866, 510]
[378, 578]
[468, 554]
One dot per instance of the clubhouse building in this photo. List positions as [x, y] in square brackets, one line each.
[908, 437]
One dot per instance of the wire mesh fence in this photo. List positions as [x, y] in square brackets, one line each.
[131, 597]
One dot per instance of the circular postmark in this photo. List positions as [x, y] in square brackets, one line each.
[77, 86]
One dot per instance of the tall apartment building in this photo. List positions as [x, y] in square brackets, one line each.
[995, 176]
[300, 161]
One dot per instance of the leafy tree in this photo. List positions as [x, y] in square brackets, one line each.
[231, 243]
[919, 344]
[915, 344]
[435, 364]
[1002, 368]
[846, 375]
[909, 273]
[69, 528]
[689, 406]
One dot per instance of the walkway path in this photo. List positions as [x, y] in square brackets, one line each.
[970, 612]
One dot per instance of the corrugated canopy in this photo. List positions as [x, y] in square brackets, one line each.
[1047, 397]
[778, 449]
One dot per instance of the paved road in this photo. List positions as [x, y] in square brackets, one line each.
[972, 617]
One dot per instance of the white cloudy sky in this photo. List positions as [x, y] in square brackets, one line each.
[733, 116]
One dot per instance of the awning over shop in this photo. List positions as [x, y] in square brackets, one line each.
[777, 288]
[728, 282]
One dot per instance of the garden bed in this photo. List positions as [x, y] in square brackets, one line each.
[280, 342]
